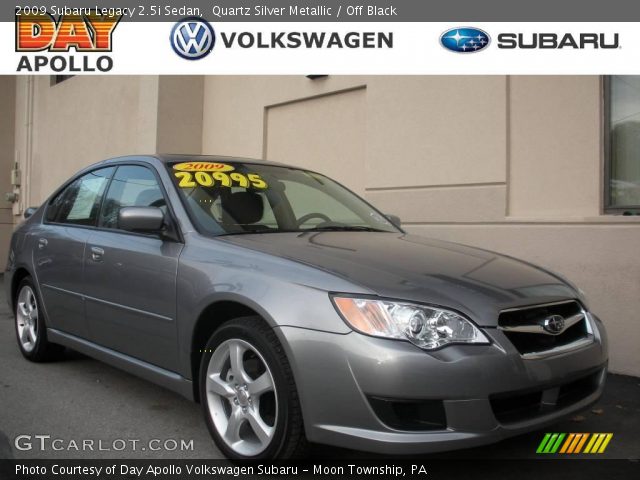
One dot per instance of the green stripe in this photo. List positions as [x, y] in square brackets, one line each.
[550, 443]
[547, 449]
[542, 443]
[558, 442]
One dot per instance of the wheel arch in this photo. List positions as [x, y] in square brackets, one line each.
[211, 318]
[18, 275]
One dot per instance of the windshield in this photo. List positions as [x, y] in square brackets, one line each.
[236, 198]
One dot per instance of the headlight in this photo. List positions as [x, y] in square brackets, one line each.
[426, 327]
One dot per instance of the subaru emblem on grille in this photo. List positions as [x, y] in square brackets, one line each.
[553, 324]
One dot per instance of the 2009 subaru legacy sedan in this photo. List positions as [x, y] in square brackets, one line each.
[294, 311]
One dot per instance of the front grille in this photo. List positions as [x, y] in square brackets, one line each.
[515, 407]
[525, 327]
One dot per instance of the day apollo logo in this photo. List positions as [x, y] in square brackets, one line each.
[41, 32]
[193, 38]
[465, 39]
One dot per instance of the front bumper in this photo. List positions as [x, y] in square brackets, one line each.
[336, 375]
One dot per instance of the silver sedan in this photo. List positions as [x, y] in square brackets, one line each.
[296, 312]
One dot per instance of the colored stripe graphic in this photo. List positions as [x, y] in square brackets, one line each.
[567, 443]
[581, 443]
[596, 445]
[591, 442]
[603, 447]
[556, 445]
[599, 443]
[550, 443]
[573, 443]
[543, 443]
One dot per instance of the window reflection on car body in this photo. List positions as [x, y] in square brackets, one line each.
[343, 228]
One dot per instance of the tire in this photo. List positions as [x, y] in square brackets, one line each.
[31, 330]
[252, 411]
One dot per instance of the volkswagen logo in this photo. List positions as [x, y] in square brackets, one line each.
[465, 40]
[553, 324]
[193, 38]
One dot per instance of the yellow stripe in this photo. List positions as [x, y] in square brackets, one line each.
[596, 445]
[567, 442]
[584, 439]
[575, 442]
[605, 443]
[591, 442]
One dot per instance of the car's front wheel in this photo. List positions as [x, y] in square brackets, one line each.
[31, 330]
[248, 394]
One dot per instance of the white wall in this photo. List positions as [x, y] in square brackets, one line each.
[81, 121]
[7, 155]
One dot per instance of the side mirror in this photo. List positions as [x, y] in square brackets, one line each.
[394, 219]
[141, 219]
[29, 211]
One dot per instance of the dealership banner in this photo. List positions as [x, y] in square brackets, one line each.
[412, 469]
[334, 37]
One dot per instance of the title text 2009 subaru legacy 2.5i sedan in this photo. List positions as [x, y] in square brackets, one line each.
[294, 311]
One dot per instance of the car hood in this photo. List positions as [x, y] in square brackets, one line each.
[476, 282]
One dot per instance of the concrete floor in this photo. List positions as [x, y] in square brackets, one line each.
[80, 398]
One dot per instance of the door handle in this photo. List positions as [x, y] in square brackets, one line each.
[42, 243]
[96, 254]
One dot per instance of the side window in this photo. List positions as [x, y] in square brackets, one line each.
[78, 204]
[55, 205]
[132, 186]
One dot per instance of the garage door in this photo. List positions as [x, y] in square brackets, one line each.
[325, 134]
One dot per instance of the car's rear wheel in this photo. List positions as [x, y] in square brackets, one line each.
[248, 394]
[31, 330]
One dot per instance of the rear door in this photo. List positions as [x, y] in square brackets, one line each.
[59, 249]
[131, 278]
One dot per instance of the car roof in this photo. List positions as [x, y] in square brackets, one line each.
[178, 158]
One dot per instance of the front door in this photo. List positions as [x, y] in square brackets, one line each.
[131, 278]
[59, 250]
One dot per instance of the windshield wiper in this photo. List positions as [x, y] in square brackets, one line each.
[253, 232]
[328, 228]
[343, 228]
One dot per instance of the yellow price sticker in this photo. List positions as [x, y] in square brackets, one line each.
[203, 167]
[190, 179]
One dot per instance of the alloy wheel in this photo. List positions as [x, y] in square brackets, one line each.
[241, 396]
[27, 318]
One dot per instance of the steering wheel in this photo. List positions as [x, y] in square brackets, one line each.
[305, 218]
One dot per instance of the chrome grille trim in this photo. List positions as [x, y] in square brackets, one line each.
[537, 328]
[538, 305]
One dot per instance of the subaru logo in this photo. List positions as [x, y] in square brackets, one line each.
[465, 40]
[553, 324]
[193, 38]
